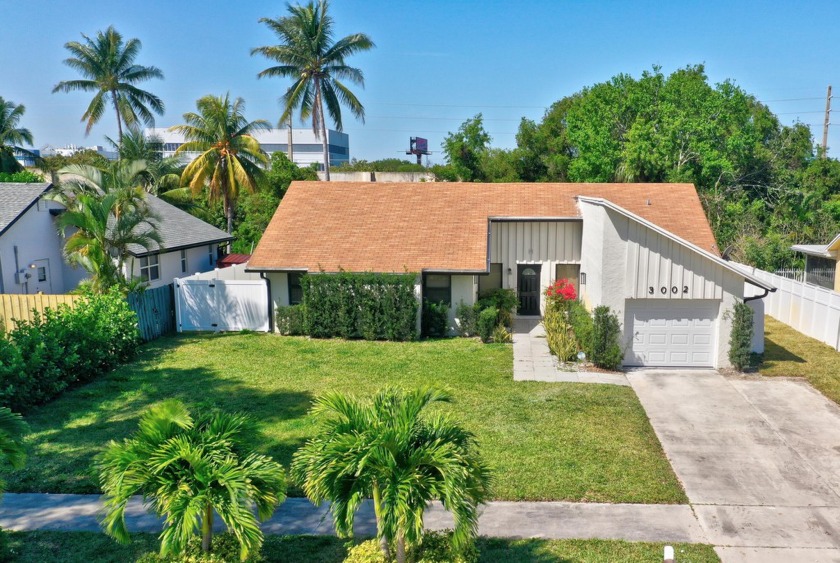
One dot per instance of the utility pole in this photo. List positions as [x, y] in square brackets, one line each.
[826, 122]
[291, 150]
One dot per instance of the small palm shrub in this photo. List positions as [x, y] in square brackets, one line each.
[606, 339]
[501, 335]
[188, 468]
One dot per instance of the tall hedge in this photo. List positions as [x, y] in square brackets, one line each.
[369, 306]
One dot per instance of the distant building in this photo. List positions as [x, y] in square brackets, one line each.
[306, 148]
[27, 160]
[70, 150]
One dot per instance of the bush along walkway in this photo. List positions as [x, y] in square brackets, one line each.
[297, 516]
[533, 361]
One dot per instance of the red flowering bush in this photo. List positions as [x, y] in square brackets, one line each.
[560, 292]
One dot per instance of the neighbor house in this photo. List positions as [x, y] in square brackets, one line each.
[645, 250]
[822, 263]
[31, 258]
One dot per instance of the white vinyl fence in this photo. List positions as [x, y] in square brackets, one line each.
[814, 311]
[227, 299]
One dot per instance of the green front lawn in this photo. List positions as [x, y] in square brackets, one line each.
[578, 442]
[87, 547]
[790, 353]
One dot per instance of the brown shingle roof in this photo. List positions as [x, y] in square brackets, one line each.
[441, 226]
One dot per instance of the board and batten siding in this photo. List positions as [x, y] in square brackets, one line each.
[655, 261]
[513, 242]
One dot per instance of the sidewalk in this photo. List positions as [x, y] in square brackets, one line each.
[550, 520]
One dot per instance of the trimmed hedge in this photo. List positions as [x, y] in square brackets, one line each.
[435, 322]
[606, 339]
[369, 306]
[291, 321]
[487, 322]
[64, 346]
[740, 339]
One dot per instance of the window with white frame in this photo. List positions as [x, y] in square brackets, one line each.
[184, 261]
[150, 267]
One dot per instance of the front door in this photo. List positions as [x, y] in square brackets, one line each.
[529, 289]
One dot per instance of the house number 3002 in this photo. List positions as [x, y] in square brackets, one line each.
[664, 290]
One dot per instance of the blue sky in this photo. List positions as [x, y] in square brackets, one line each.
[436, 64]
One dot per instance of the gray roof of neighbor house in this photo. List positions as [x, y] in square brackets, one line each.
[830, 250]
[16, 198]
[178, 229]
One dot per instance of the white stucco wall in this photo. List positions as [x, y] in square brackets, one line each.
[198, 260]
[35, 236]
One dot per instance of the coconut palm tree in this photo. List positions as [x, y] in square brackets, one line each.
[12, 136]
[186, 468]
[12, 429]
[107, 65]
[230, 157]
[308, 55]
[162, 174]
[106, 213]
[391, 450]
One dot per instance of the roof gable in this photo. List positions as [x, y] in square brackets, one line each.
[178, 229]
[16, 199]
[440, 225]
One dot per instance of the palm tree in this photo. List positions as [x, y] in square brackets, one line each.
[109, 70]
[106, 213]
[186, 468]
[162, 174]
[389, 449]
[230, 155]
[12, 429]
[308, 55]
[12, 136]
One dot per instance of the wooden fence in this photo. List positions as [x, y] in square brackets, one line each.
[155, 310]
[20, 307]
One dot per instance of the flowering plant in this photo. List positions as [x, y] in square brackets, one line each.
[560, 292]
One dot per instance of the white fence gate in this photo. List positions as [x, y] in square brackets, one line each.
[814, 311]
[210, 302]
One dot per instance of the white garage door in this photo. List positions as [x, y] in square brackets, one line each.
[671, 333]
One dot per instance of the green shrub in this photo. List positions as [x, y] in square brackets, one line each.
[504, 300]
[291, 320]
[65, 345]
[606, 339]
[467, 316]
[740, 339]
[501, 335]
[436, 547]
[559, 335]
[366, 552]
[582, 325]
[224, 548]
[435, 322]
[487, 323]
[370, 306]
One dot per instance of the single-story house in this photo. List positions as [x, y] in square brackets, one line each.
[31, 259]
[822, 263]
[645, 250]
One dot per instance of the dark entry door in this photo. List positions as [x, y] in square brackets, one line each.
[529, 289]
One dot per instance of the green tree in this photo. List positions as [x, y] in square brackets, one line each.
[465, 148]
[187, 468]
[106, 213]
[50, 165]
[391, 449]
[108, 67]
[308, 55]
[12, 137]
[230, 157]
[162, 174]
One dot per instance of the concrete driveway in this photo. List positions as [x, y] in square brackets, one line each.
[759, 460]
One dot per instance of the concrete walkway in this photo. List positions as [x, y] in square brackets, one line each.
[553, 520]
[533, 361]
[759, 460]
